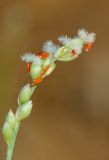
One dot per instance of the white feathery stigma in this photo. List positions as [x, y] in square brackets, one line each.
[64, 39]
[37, 60]
[87, 37]
[28, 57]
[48, 46]
[91, 37]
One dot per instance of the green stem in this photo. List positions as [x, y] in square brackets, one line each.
[12, 143]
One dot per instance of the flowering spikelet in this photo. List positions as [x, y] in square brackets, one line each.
[50, 47]
[64, 39]
[87, 37]
[28, 57]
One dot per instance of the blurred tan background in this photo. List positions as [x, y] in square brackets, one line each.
[70, 117]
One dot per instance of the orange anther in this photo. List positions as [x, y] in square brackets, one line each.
[28, 68]
[38, 80]
[73, 52]
[88, 46]
[45, 69]
[43, 55]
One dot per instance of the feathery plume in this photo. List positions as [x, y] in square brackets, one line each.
[87, 37]
[48, 46]
[64, 39]
[28, 57]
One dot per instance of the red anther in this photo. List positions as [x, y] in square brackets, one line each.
[43, 55]
[88, 46]
[73, 52]
[28, 68]
[45, 69]
[38, 80]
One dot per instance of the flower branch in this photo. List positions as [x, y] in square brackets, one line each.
[40, 66]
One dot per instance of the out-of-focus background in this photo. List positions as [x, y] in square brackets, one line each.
[70, 117]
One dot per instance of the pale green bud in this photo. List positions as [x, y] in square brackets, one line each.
[7, 132]
[67, 58]
[24, 111]
[25, 94]
[50, 70]
[61, 52]
[35, 70]
[10, 119]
